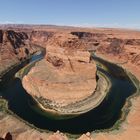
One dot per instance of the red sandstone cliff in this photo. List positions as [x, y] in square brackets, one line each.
[14, 47]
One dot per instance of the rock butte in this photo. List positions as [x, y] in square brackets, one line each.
[65, 76]
[117, 45]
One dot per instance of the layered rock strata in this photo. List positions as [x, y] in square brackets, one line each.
[14, 48]
[128, 58]
[65, 76]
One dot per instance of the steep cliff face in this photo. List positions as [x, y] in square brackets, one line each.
[91, 40]
[14, 47]
[7, 136]
[1, 36]
[88, 35]
[125, 50]
[40, 37]
[116, 46]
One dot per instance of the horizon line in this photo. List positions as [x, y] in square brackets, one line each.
[72, 25]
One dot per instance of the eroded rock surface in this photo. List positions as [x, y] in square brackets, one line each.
[126, 52]
[14, 48]
[66, 75]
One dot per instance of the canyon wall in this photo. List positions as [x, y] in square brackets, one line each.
[67, 54]
[14, 48]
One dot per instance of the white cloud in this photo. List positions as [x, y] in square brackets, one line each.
[11, 22]
[106, 25]
[103, 25]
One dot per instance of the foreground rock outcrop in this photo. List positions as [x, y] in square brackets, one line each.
[8, 136]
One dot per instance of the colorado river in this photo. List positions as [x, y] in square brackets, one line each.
[103, 116]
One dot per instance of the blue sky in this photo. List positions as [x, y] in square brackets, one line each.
[108, 13]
